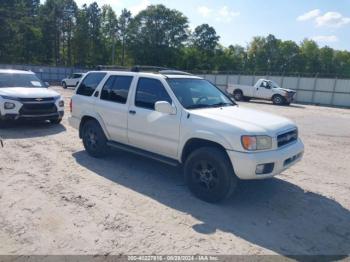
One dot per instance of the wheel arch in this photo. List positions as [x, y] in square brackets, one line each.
[196, 143]
[86, 118]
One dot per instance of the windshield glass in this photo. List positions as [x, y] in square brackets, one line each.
[274, 84]
[198, 93]
[20, 80]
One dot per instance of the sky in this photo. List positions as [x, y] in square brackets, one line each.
[238, 21]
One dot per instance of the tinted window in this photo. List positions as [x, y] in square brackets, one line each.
[149, 91]
[89, 84]
[76, 75]
[116, 89]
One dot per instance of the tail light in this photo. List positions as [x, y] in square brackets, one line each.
[71, 105]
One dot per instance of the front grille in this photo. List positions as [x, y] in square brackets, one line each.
[43, 99]
[38, 109]
[286, 138]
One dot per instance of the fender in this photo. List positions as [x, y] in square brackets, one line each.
[205, 135]
[98, 118]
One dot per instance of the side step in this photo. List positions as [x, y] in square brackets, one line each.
[144, 153]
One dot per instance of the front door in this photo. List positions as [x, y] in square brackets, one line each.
[263, 91]
[148, 129]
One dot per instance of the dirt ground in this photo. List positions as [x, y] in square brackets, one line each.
[55, 199]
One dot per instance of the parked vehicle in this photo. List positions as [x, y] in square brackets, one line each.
[181, 119]
[263, 89]
[24, 96]
[72, 81]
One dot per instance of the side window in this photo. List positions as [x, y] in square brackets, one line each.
[149, 91]
[263, 84]
[116, 89]
[89, 84]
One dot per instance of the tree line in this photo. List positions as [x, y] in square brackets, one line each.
[57, 32]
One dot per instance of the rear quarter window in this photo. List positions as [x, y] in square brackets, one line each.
[90, 83]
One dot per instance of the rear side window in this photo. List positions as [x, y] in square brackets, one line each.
[116, 89]
[149, 91]
[89, 84]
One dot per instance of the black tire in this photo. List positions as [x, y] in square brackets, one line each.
[94, 139]
[55, 121]
[278, 100]
[238, 95]
[64, 85]
[209, 174]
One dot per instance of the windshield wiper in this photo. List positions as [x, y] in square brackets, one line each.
[195, 106]
[221, 104]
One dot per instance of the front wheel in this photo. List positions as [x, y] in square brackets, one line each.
[278, 100]
[209, 174]
[64, 85]
[94, 139]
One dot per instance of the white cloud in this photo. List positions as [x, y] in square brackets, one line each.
[135, 9]
[329, 19]
[225, 14]
[309, 15]
[204, 11]
[325, 38]
[332, 19]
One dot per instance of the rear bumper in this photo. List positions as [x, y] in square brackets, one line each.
[244, 164]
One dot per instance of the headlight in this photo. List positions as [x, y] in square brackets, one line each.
[253, 143]
[9, 105]
[61, 103]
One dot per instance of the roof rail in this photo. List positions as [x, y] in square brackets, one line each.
[143, 68]
[112, 67]
[173, 72]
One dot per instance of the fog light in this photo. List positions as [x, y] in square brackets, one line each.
[264, 169]
[61, 103]
[9, 105]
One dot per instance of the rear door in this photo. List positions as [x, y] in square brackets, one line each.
[84, 100]
[112, 106]
[148, 129]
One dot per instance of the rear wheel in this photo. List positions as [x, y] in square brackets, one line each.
[238, 95]
[64, 85]
[94, 139]
[209, 174]
[278, 100]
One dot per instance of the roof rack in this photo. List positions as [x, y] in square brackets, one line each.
[143, 68]
[158, 70]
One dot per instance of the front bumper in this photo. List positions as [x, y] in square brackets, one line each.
[244, 164]
[17, 116]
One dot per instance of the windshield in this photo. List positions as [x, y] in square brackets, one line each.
[273, 84]
[20, 80]
[198, 93]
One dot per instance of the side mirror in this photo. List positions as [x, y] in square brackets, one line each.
[47, 84]
[165, 108]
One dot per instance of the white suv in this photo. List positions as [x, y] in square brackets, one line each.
[24, 96]
[179, 118]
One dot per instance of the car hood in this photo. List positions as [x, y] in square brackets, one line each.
[248, 120]
[25, 92]
[286, 90]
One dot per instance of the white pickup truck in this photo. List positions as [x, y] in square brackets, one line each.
[181, 119]
[263, 89]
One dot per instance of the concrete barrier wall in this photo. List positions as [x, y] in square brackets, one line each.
[323, 91]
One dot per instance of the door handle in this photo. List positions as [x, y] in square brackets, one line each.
[132, 112]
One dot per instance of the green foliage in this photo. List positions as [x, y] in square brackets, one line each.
[57, 32]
